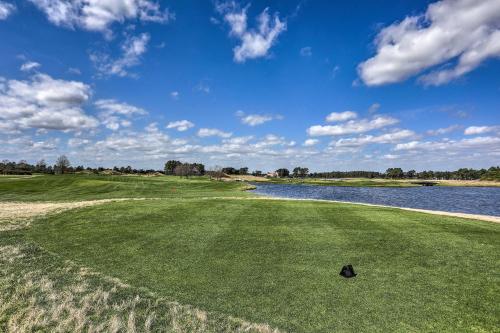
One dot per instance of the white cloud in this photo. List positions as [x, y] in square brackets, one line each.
[444, 130]
[99, 15]
[451, 145]
[180, 125]
[310, 142]
[206, 132]
[256, 119]
[74, 70]
[112, 106]
[255, 43]
[174, 95]
[44, 102]
[203, 87]
[78, 142]
[132, 50]
[341, 116]
[471, 130]
[306, 51]
[112, 110]
[28, 66]
[6, 9]
[463, 30]
[392, 137]
[374, 108]
[352, 126]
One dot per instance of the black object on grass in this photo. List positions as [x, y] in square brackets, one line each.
[348, 271]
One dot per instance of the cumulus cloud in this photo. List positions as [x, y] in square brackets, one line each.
[444, 130]
[6, 9]
[458, 33]
[352, 126]
[180, 125]
[341, 116]
[482, 142]
[44, 103]
[255, 43]
[132, 50]
[256, 119]
[310, 142]
[472, 130]
[112, 113]
[28, 66]
[392, 137]
[99, 15]
[206, 132]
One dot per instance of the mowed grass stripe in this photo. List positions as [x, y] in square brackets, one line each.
[277, 261]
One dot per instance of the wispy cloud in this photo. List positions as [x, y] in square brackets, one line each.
[30, 65]
[206, 132]
[256, 119]
[132, 50]
[180, 125]
[255, 43]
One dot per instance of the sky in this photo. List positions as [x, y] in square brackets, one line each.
[328, 85]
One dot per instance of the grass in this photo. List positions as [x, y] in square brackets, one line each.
[91, 187]
[191, 262]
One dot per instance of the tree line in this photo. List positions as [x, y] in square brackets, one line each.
[183, 169]
[62, 165]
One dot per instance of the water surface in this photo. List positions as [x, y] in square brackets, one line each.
[472, 200]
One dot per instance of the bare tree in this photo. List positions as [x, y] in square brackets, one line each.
[62, 163]
[183, 170]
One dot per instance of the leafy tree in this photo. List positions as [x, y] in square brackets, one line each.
[411, 174]
[300, 172]
[230, 171]
[243, 171]
[170, 166]
[62, 164]
[394, 173]
[198, 168]
[283, 172]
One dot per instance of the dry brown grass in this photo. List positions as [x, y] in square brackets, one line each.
[14, 215]
[68, 298]
[37, 294]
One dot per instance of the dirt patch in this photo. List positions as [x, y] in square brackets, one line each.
[15, 215]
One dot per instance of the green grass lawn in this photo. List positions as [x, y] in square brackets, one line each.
[265, 261]
[91, 187]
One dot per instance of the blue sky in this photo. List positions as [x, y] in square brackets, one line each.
[264, 84]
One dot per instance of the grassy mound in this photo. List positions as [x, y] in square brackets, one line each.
[94, 187]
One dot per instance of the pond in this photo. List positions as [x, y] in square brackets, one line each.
[472, 200]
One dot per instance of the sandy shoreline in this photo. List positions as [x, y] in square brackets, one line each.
[488, 218]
